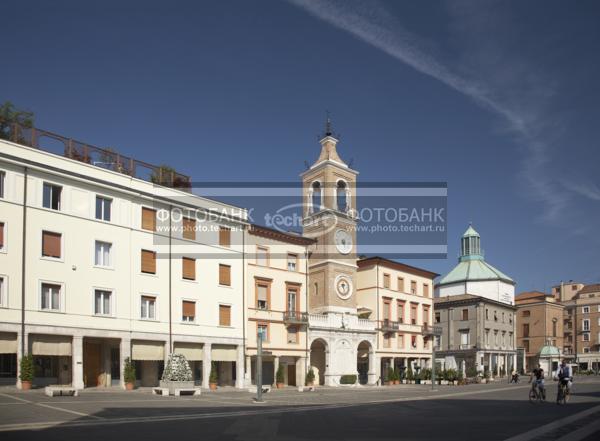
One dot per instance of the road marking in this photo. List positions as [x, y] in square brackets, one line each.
[15, 398]
[542, 430]
[582, 433]
[24, 401]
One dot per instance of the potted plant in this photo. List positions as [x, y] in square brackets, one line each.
[26, 374]
[177, 374]
[389, 376]
[129, 374]
[214, 377]
[310, 378]
[410, 376]
[280, 377]
[451, 376]
[461, 378]
[396, 376]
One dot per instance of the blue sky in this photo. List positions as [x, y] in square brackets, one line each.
[498, 98]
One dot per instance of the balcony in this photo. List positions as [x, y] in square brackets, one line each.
[295, 318]
[431, 330]
[341, 321]
[389, 326]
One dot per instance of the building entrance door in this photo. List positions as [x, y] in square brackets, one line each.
[291, 373]
[92, 364]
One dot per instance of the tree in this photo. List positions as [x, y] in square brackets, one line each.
[310, 377]
[9, 115]
[26, 368]
[129, 371]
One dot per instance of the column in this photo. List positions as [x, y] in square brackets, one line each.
[206, 364]
[301, 370]
[248, 373]
[490, 366]
[239, 368]
[275, 368]
[124, 352]
[497, 365]
[77, 358]
[374, 367]
[20, 355]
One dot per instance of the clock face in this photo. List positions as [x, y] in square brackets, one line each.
[343, 241]
[343, 286]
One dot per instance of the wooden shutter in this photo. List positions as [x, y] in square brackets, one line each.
[50, 244]
[224, 315]
[413, 287]
[224, 275]
[148, 219]
[400, 284]
[189, 228]
[189, 308]
[425, 290]
[148, 262]
[1, 234]
[386, 280]
[386, 309]
[225, 236]
[189, 268]
[400, 307]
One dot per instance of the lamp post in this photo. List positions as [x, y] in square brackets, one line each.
[432, 332]
[259, 398]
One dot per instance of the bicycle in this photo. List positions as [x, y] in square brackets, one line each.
[535, 393]
[562, 397]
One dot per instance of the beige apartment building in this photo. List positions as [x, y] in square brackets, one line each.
[399, 298]
[566, 290]
[539, 324]
[583, 326]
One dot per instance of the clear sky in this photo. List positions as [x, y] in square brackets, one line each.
[498, 98]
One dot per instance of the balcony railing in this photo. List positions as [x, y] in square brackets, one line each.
[100, 157]
[431, 330]
[294, 317]
[389, 325]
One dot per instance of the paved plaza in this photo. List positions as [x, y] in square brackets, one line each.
[494, 411]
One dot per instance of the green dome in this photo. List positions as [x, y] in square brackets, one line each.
[549, 351]
[469, 270]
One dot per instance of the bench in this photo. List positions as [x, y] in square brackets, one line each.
[164, 391]
[265, 389]
[53, 391]
[187, 391]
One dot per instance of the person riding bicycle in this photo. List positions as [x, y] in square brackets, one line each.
[565, 375]
[537, 376]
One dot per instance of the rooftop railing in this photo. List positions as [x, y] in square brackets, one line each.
[105, 158]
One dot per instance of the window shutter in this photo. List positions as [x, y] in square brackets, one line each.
[148, 262]
[262, 292]
[400, 284]
[225, 236]
[50, 244]
[189, 268]
[386, 280]
[189, 309]
[148, 219]
[224, 315]
[189, 228]
[426, 290]
[1, 234]
[225, 275]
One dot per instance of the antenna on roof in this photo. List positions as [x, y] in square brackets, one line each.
[351, 162]
[306, 164]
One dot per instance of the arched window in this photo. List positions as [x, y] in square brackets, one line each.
[316, 197]
[342, 196]
[316, 289]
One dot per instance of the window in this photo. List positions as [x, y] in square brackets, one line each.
[315, 202]
[502, 317]
[292, 262]
[526, 313]
[262, 295]
[148, 308]
[148, 219]
[487, 336]
[510, 318]
[400, 284]
[225, 236]
[400, 341]
[2, 176]
[413, 341]
[400, 310]
[102, 300]
[585, 309]
[586, 336]
[425, 316]
[51, 244]
[102, 254]
[103, 207]
[188, 228]
[526, 345]
[487, 314]
[386, 281]
[413, 287]
[292, 298]
[586, 350]
[495, 316]
[1, 235]
[464, 340]
[386, 340]
[224, 315]
[51, 197]
[50, 297]
[586, 324]
[3, 301]
[188, 311]
[292, 334]
[386, 308]
[262, 256]
[526, 330]
[188, 266]
[262, 329]
[148, 262]
[465, 314]
[425, 290]
[413, 314]
[553, 328]
[224, 275]
[437, 317]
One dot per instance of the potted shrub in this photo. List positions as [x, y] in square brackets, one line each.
[26, 374]
[177, 374]
[396, 376]
[426, 376]
[451, 376]
[461, 378]
[410, 376]
[310, 378]
[486, 376]
[389, 376]
[280, 377]
[214, 377]
[129, 374]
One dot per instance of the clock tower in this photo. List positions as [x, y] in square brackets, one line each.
[330, 217]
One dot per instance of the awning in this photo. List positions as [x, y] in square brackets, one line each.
[53, 345]
[191, 351]
[223, 353]
[8, 343]
[148, 350]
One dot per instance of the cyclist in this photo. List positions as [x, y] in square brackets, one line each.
[565, 375]
[537, 376]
